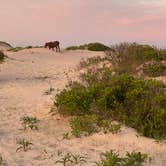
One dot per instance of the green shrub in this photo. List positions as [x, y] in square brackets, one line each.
[154, 69]
[136, 102]
[97, 47]
[2, 56]
[84, 125]
[90, 47]
[111, 158]
[75, 101]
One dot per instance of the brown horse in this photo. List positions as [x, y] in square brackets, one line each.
[52, 45]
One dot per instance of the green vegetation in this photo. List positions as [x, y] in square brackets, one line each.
[29, 122]
[23, 144]
[90, 47]
[86, 125]
[111, 158]
[136, 102]
[155, 69]
[2, 56]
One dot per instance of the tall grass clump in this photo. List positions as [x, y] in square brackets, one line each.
[154, 69]
[126, 57]
[138, 103]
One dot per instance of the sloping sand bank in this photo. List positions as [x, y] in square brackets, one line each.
[23, 82]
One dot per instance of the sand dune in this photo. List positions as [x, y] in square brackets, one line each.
[23, 81]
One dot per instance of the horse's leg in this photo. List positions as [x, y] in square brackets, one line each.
[58, 49]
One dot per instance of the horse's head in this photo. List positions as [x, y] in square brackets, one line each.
[46, 45]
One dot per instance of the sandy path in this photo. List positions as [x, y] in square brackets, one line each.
[23, 82]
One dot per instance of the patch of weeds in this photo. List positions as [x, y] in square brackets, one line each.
[111, 158]
[23, 144]
[84, 125]
[91, 61]
[29, 122]
[49, 91]
[109, 126]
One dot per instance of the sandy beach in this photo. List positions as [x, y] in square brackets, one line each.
[24, 78]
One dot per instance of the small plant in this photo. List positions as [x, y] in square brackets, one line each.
[29, 122]
[78, 159]
[49, 91]
[65, 160]
[109, 158]
[23, 144]
[1, 160]
[66, 136]
[134, 159]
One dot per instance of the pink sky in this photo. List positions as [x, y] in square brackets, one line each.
[32, 22]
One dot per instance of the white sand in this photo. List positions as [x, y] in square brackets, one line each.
[23, 82]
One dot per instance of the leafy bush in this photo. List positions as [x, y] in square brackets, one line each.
[154, 69]
[136, 102]
[111, 158]
[90, 47]
[2, 56]
[75, 101]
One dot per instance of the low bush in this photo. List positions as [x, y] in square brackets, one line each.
[136, 102]
[111, 158]
[154, 69]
